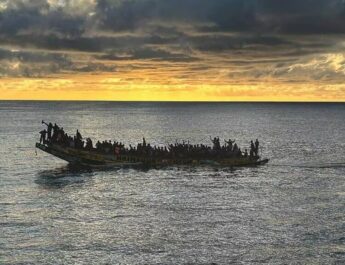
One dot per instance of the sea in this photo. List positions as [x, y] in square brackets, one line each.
[290, 211]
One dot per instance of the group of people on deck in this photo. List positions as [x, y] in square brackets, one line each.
[230, 147]
[56, 135]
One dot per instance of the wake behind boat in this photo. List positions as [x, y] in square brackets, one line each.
[76, 150]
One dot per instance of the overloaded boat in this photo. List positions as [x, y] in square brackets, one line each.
[74, 151]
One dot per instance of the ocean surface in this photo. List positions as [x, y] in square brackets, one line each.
[290, 211]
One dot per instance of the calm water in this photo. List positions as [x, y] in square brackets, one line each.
[291, 211]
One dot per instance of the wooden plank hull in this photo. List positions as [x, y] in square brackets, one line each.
[94, 159]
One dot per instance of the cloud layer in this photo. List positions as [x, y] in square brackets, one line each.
[230, 41]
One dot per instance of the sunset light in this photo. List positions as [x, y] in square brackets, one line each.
[201, 51]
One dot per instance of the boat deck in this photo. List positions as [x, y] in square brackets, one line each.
[93, 158]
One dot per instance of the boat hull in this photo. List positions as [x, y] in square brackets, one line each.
[94, 159]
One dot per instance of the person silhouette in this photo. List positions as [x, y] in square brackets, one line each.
[43, 134]
[256, 150]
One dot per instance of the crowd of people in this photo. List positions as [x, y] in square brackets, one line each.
[56, 135]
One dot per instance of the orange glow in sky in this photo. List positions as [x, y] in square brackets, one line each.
[135, 50]
[163, 85]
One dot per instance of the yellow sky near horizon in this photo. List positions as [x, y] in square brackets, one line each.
[316, 78]
[106, 86]
[204, 80]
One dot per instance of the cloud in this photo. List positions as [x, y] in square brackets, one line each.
[39, 64]
[230, 39]
[148, 53]
[326, 67]
[259, 16]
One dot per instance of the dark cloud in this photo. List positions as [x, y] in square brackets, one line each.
[166, 30]
[148, 53]
[312, 16]
[36, 17]
[38, 64]
[265, 16]
[221, 43]
[124, 15]
[303, 17]
[234, 15]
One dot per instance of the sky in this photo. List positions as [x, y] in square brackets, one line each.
[173, 50]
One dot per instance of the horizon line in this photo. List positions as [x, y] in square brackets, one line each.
[169, 101]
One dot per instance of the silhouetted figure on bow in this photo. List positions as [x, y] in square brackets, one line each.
[43, 134]
[49, 130]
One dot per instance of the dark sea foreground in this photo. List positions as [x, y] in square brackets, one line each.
[291, 211]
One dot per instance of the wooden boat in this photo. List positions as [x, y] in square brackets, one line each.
[95, 159]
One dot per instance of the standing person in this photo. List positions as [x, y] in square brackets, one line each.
[78, 140]
[235, 150]
[257, 147]
[50, 128]
[60, 135]
[78, 135]
[43, 136]
[230, 143]
[252, 147]
[216, 143]
[55, 132]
